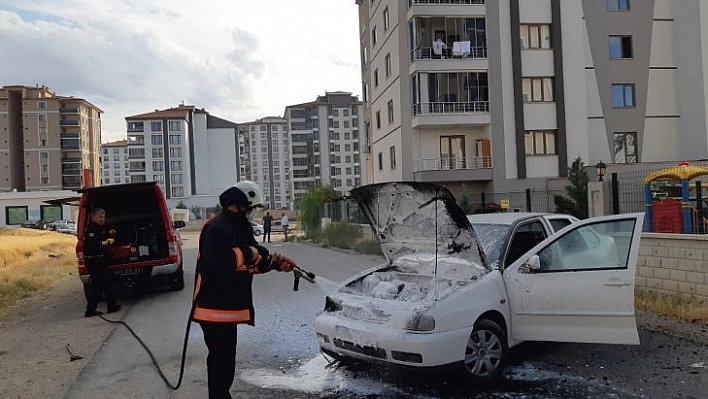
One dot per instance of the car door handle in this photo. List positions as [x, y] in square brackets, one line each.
[615, 282]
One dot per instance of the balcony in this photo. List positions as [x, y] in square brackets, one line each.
[68, 110]
[446, 2]
[451, 113]
[447, 53]
[453, 169]
[67, 122]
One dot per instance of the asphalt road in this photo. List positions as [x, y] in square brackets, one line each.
[280, 357]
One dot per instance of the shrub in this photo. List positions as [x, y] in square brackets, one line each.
[370, 247]
[341, 235]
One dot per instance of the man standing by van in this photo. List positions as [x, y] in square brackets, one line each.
[96, 242]
[228, 258]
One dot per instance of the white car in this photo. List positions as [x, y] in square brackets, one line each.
[437, 301]
[257, 228]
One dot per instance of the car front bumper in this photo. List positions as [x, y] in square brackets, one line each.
[381, 342]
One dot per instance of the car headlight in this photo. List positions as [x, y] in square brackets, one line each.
[421, 322]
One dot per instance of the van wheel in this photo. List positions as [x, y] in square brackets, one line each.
[177, 281]
[486, 353]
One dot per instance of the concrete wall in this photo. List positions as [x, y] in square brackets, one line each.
[675, 264]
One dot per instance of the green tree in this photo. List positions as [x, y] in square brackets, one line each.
[311, 208]
[576, 201]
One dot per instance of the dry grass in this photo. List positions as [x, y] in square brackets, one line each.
[33, 260]
[671, 306]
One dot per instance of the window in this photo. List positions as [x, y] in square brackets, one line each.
[175, 126]
[176, 178]
[617, 5]
[159, 178]
[157, 152]
[378, 119]
[135, 126]
[535, 36]
[156, 126]
[620, 47]
[388, 65]
[540, 142]
[386, 19]
[390, 111]
[43, 155]
[157, 166]
[176, 165]
[175, 139]
[177, 191]
[41, 105]
[116, 165]
[45, 168]
[537, 89]
[107, 180]
[176, 152]
[42, 117]
[623, 96]
[392, 155]
[625, 147]
[376, 77]
[589, 248]
[374, 38]
[452, 152]
[42, 143]
[156, 139]
[380, 160]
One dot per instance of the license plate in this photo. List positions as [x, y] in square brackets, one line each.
[129, 271]
[354, 336]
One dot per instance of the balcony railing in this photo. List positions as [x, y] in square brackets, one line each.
[444, 2]
[456, 163]
[437, 108]
[68, 110]
[65, 122]
[427, 53]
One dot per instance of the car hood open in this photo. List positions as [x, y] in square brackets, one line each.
[411, 219]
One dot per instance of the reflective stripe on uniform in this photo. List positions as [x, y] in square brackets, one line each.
[240, 260]
[221, 316]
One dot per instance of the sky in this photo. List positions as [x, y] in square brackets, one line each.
[239, 59]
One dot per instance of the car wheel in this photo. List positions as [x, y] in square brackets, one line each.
[177, 281]
[256, 233]
[486, 352]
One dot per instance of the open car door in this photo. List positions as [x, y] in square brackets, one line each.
[578, 285]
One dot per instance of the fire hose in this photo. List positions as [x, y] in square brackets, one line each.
[298, 273]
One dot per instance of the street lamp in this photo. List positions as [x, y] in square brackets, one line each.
[600, 169]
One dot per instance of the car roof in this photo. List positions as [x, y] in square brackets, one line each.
[507, 218]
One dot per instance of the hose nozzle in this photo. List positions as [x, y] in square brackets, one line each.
[302, 273]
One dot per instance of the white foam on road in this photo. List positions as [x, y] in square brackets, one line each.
[312, 377]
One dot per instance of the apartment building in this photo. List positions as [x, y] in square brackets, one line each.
[325, 144]
[186, 150]
[502, 95]
[115, 163]
[47, 141]
[266, 154]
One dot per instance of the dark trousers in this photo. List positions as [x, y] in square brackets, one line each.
[266, 232]
[221, 362]
[100, 284]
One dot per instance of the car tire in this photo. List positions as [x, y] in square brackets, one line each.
[177, 281]
[486, 353]
[256, 233]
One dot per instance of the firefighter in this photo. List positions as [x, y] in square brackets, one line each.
[96, 243]
[229, 256]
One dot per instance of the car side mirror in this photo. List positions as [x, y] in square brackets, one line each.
[532, 265]
[178, 224]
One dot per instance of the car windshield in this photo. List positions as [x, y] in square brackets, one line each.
[491, 238]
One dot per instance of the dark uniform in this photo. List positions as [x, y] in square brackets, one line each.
[267, 226]
[96, 260]
[222, 292]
